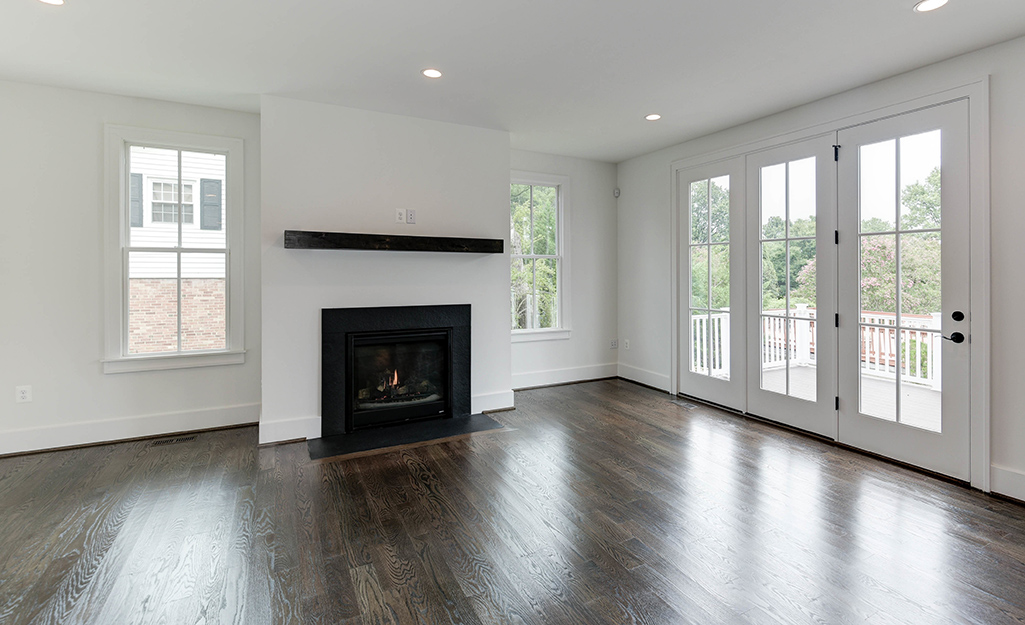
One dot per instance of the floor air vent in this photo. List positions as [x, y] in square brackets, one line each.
[683, 404]
[172, 441]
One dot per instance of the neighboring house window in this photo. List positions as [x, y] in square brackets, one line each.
[174, 277]
[165, 202]
[537, 272]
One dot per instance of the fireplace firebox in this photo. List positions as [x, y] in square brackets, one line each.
[398, 376]
[387, 366]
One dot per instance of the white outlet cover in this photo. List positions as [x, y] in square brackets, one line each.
[410, 216]
[400, 215]
[22, 394]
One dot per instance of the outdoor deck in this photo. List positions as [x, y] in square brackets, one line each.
[920, 406]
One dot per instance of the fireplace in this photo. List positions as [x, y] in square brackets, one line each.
[398, 376]
[394, 365]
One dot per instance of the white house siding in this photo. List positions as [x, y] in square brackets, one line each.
[161, 165]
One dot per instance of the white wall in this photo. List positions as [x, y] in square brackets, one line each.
[644, 231]
[590, 291]
[338, 169]
[51, 277]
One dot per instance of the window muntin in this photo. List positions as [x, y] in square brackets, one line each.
[536, 259]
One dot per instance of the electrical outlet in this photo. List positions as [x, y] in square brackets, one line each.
[400, 215]
[626, 343]
[614, 344]
[410, 216]
[22, 394]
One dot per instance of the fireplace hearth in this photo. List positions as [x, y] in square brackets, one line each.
[393, 365]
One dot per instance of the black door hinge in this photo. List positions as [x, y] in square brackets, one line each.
[836, 320]
[836, 403]
[836, 237]
[836, 153]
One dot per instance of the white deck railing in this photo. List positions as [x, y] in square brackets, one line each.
[916, 355]
[710, 347]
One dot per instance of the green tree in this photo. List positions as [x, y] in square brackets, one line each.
[776, 279]
[710, 223]
[719, 277]
[718, 231]
[920, 287]
[534, 223]
[921, 203]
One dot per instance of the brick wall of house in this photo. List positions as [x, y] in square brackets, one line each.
[153, 315]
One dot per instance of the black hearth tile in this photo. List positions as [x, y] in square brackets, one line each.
[399, 435]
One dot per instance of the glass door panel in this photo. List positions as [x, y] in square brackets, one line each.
[711, 219]
[792, 360]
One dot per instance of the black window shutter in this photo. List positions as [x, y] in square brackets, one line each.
[210, 204]
[135, 200]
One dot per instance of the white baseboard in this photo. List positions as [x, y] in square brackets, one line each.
[491, 401]
[561, 376]
[650, 378]
[1010, 482]
[90, 432]
[289, 430]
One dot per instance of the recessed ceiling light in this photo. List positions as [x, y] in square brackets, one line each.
[54, 2]
[929, 5]
[653, 117]
[431, 73]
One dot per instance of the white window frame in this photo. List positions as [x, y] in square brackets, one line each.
[562, 330]
[116, 237]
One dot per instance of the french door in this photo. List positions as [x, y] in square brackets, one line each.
[904, 304]
[711, 236]
[855, 274]
[791, 358]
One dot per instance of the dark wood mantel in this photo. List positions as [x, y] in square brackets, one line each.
[310, 240]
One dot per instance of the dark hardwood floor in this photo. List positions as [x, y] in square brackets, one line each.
[606, 503]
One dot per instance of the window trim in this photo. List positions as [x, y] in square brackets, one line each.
[563, 330]
[116, 233]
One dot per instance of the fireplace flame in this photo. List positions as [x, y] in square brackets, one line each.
[395, 378]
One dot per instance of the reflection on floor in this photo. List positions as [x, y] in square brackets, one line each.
[920, 406]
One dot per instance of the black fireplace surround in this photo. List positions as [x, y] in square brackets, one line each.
[390, 365]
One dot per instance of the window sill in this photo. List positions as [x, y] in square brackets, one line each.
[526, 336]
[128, 364]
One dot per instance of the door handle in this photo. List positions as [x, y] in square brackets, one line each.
[956, 337]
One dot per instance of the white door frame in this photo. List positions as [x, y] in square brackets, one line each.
[977, 93]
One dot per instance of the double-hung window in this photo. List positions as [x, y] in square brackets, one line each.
[174, 250]
[538, 272]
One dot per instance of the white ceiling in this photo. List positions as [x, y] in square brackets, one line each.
[572, 77]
